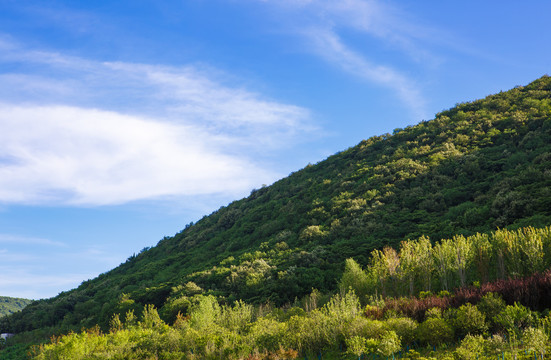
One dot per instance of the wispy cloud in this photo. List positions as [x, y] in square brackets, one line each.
[28, 240]
[81, 132]
[328, 45]
[324, 25]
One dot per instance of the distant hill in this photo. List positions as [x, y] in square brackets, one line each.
[476, 167]
[9, 305]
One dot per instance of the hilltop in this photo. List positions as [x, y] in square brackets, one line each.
[9, 305]
[474, 168]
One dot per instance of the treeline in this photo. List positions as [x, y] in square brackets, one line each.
[420, 266]
[340, 329]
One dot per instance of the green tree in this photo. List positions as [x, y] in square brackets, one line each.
[205, 312]
[354, 278]
[425, 258]
[463, 257]
[409, 263]
[444, 255]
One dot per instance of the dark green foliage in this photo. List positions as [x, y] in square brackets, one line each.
[475, 167]
[491, 305]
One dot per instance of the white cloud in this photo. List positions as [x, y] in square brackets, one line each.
[324, 23]
[80, 132]
[328, 45]
[72, 155]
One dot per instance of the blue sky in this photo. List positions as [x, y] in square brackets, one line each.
[121, 122]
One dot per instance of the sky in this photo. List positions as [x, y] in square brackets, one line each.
[123, 121]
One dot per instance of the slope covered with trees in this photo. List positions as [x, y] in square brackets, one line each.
[477, 167]
[9, 305]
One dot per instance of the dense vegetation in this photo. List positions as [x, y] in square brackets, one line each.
[339, 329]
[453, 263]
[9, 305]
[477, 167]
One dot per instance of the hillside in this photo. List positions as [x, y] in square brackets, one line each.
[477, 167]
[9, 305]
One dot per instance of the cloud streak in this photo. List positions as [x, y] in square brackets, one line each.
[28, 240]
[323, 24]
[101, 133]
[328, 45]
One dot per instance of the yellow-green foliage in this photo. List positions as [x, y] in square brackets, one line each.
[338, 329]
[450, 263]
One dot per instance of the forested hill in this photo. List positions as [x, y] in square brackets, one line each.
[9, 305]
[477, 167]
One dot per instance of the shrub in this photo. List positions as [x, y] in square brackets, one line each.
[515, 318]
[389, 344]
[471, 347]
[491, 305]
[434, 331]
[469, 320]
[535, 340]
[404, 327]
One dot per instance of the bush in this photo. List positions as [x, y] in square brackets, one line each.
[471, 347]
[389, 344]
[535, 340]
[491, 305]
[404, 327]
[435, 331]
[515, 318]
[469, 320]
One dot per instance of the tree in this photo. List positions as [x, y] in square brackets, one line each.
[205, 312]
[404, 327]
[423, 249]
[378, 269]
[444, 256]
[496, 345]
[354, 278]
[392, 263]
[491, 304]
[409, 263]
[531, 243]
[463, 257]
